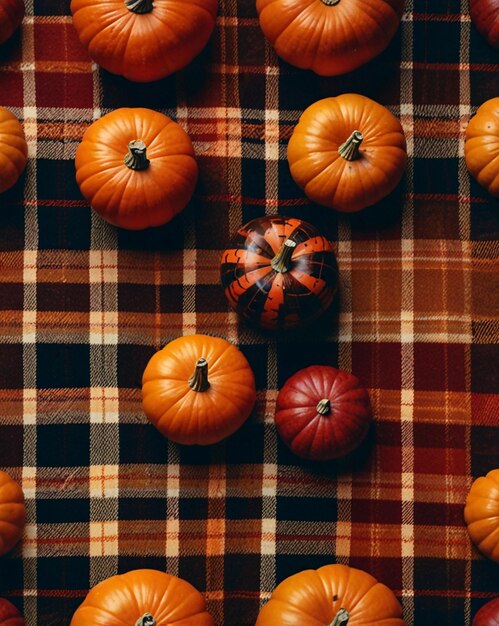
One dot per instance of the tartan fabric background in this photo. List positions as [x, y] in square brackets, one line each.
[85, 305]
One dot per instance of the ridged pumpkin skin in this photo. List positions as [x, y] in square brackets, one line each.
[317, 597]
[481, 514]
[481, 148]
[279, 272]
[329, 37]
[13, 149]
[125, 599]
[11, 16]
[372, 165]
[322, 413]
[488, 615]
[12, 513]
[485, 16]
[136, 198]
[9, 615]
[146, 40]
[198, 389]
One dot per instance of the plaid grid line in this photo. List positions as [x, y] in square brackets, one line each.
[84, 306]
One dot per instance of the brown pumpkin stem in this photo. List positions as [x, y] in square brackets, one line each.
[330, 3]
[136, 157]
[341, 618]
[146, 620]
[323, 407]
[199, 380]
[350, 149]
[139, 6]
[282, 260]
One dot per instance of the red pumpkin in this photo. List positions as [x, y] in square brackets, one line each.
[485, 16]
[322, 413]
[279, 272]
[144, 40]
[333, 595]
[12, 513]
[329, 37]
[488, 615]
[143, 597]
[9, 615]
[136, 168]
[11, 16]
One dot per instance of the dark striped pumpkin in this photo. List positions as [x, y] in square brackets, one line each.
[280, 272]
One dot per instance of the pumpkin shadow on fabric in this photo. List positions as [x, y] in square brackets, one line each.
[11, 49]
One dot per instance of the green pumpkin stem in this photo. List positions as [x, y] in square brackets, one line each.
[136, 157]
[330, 3]
[139, 6]
[350, 149]
[282, 260]
[323, 407]
[146, 620]
[341, 618]
[199, 380]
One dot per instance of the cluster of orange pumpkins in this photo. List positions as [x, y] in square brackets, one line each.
[137, 169]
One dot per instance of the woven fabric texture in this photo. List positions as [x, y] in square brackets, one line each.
[84, 306]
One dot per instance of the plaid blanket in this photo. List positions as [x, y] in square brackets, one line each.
[85, 305]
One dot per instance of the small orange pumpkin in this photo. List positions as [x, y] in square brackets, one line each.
[333, 595]
[11, 16]
[136, 168]
[481, 514]
[13, 149]
[12, 513]
[143, 597]
[481, 148]
[329, 37]
[347, 152]
[144, 40]
[198, 389]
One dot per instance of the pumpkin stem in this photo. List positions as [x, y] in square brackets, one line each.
[139, 6]
[330, 3]
[199, 380]
[146, 620]
[282, 260]
[136, 157]
[341, 618]
[323, 407]
[350, 149]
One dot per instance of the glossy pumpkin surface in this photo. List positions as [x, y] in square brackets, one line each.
[198, 389]
[330, 37]
[9, 615]
[11, 16]
[12, 513]
[144, 40]
[481, 514]
[488, 615]
[481, 148]
[322, 413]
[143, 598]
[13, 149]
[136, 168]
[332, 595]
[347, 152]
[279, 272]
[485, 16]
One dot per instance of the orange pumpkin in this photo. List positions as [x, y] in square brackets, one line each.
[143, 598]
[11, 16]
[330, 37]
[333, 595]
[13, 149]
[347, 152]
[144, 40]
[481, 148]
[198, 389]
[12, 513]
[481, 514]
[136, 168]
